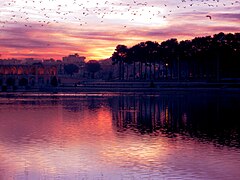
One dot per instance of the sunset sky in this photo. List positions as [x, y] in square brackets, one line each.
[93, 28]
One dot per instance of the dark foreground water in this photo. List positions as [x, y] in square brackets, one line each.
[165, 136]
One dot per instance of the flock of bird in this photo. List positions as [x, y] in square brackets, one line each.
[46, 12]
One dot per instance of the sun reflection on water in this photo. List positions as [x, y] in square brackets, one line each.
[113, 137]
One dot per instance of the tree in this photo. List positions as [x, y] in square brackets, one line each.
[170, 54]
[132, 57]
[186, 53]
[54, 81]
[202, 58]
[151, 49]
[10, 81]
[93, 67]
[23, 82]
[71, 69]
[119, 57]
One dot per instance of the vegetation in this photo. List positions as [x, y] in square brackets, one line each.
[23, 82]
[93, 67]
[10, 81]
[203, 58]
[54, 81]
[70, 69]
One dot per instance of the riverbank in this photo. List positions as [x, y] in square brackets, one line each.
[138, 87]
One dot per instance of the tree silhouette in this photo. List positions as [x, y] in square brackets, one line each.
[170, 55]
[10, 81]
[70, 69]
[119, 57]
[54, 81]
[202, 58]
[93, 67]
[133, 58]
[23, 82]
[151, 49]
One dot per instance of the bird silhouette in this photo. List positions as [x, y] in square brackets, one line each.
[210, 17]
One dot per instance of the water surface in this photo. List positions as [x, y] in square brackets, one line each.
[165, 136]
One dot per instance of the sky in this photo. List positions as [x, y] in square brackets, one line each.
[44, 29]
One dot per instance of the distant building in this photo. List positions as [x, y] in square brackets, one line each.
[32, 73]
[74, 59]
[67, 61]
[9, 61]
[49, 61]
[30, 61]
[26, 74]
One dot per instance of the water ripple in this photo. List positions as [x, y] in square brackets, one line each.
[119, 137]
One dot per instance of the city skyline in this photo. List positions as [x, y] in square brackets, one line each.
[54, 28]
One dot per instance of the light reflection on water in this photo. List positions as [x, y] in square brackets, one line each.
[178, 136]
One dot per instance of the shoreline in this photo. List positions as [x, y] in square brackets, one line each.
[99, 94]
[130, 87]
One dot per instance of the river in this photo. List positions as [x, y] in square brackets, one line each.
[185, 135]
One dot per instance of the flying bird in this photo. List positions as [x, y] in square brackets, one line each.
[210, 17]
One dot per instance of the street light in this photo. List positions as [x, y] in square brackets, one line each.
[166, 70]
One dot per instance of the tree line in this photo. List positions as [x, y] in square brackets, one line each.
[91, 67]
[211, 58]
